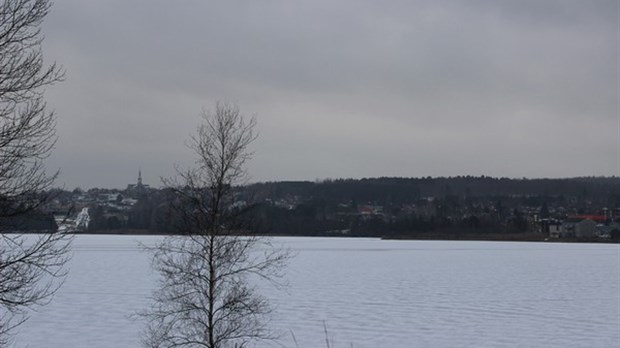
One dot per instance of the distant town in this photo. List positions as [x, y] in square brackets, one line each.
[464, 207]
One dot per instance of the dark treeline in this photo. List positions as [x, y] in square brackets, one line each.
[430, 207]
[402, 190]
[454, 207]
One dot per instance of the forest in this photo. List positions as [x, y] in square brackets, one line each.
[450, 207]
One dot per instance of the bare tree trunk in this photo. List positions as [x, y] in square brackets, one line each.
[212, 286]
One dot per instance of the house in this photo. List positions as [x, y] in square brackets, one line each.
[550, 227]
[606, 231]
[370, 209]
[579, 227]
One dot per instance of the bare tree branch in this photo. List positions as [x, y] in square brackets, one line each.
[31, 266]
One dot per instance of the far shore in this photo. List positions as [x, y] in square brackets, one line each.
[510, 237]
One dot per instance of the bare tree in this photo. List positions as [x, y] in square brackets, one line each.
[30, 266]
[205, 296]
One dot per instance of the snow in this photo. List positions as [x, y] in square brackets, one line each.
[368, 293]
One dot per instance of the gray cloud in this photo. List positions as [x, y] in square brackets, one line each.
[340, 89]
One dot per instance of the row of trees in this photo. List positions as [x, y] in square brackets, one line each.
[204, 298]
[398, 190]
[306, 208]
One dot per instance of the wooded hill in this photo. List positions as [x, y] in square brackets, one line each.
[382, 206]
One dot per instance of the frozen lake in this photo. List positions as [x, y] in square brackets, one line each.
[370, 293]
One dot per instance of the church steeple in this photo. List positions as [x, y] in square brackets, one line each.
[138, 188]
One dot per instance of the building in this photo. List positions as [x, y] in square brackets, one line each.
[550, 227]
[578, 227]
[139, 188]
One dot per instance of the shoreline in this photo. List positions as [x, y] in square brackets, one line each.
[531, 237]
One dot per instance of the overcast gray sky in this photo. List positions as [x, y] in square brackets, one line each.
[339, 88]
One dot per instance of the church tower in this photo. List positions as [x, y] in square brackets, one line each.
[138, 188]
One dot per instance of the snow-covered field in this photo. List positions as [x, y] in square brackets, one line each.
[369, 293]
